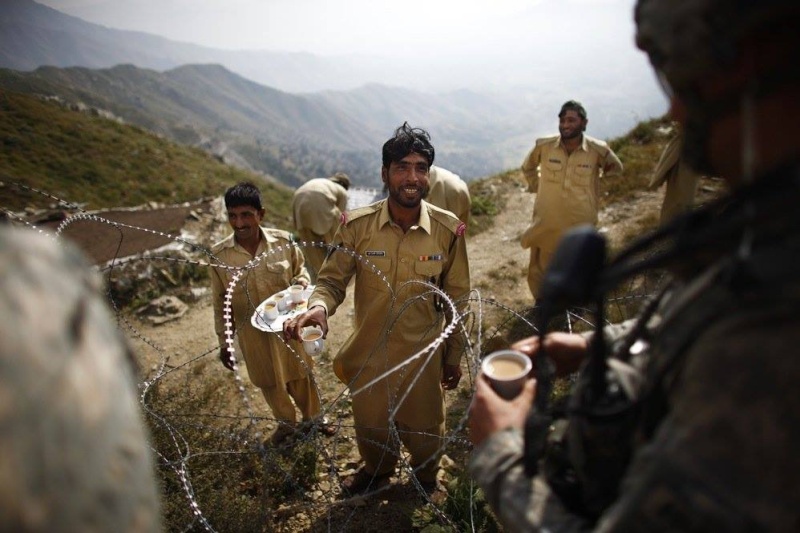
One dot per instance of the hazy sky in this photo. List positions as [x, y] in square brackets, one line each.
[440, 27]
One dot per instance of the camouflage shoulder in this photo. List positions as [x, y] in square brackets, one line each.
[447, 219]
[349, 216]
[546, 140]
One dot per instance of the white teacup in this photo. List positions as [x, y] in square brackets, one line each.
[283, 301]
[313, 343]
[270, 310]
[507, 371]
[296, 292]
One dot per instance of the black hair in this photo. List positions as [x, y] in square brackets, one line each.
[243, 193]
[573, 105]
[405, 141]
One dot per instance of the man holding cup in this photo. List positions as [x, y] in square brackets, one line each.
[409, 245]
[282, 374]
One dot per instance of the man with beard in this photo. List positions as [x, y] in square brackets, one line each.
[399, 249]
[563, 170]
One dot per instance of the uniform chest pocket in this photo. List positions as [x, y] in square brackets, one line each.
[553, 170]
[584, 174]
[277, 266]
[429, 271]
[377, 272]
[281, 271]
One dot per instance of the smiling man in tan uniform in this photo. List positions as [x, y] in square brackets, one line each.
[282, 374]
[563, 170]
[317, 206]
[408, 240]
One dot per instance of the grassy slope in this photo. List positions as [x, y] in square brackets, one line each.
[102, 163]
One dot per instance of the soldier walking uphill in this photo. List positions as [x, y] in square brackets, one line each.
[409, 241]
[700, 392]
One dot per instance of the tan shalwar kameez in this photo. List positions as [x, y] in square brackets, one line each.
[681, 180]
[317, 206]
[276, 370]
[393, 321]
[567, 192]
[448, 191]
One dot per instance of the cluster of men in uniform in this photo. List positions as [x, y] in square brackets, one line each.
[711, 365]
[415, 234]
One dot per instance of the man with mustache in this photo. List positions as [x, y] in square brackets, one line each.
[563, 170]
[400, 250]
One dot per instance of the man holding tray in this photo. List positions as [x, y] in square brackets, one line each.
[282, 374]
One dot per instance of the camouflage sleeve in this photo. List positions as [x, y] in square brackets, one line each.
[520, 503]
[725, 458]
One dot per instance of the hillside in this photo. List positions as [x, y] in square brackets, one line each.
[208, 424]
[235, 104]
[79, 156]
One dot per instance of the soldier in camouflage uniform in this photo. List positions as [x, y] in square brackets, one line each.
[713, 371]
[75, 451]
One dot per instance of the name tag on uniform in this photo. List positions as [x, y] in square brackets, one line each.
[551, 160]
[435, 257]
[375, 253]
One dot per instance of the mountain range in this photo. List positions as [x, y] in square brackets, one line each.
[215, 99]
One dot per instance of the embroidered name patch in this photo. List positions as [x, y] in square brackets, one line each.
[435, 257]
[375, 253]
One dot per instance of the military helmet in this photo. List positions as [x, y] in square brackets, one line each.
[686, 39]
[689, 40]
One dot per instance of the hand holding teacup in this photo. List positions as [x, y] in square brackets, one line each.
[313, 342]
[316, 316]
[507, 371]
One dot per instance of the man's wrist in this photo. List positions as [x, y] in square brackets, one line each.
[324, 309]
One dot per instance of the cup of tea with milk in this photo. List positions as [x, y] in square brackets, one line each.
[507, 371]
[313, 343]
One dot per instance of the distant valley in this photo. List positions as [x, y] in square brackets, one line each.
[207, 98]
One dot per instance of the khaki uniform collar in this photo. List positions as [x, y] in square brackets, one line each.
[424, 221]
[265, 238]
[584, 143]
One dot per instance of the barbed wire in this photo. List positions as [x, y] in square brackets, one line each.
[186, 431]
